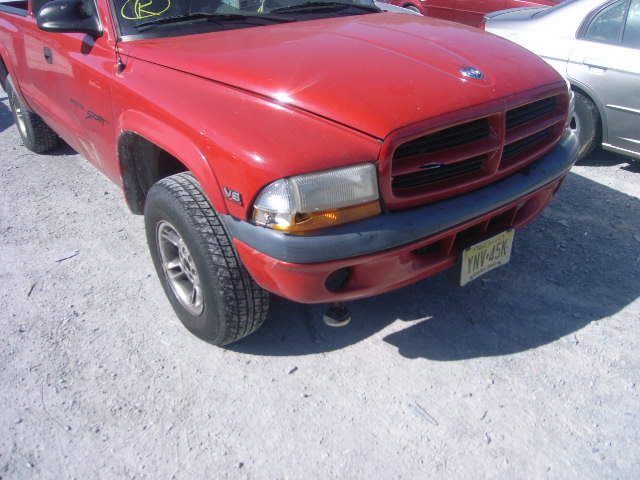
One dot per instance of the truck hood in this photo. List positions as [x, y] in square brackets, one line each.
[374, 73]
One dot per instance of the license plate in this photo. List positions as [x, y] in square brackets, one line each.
[483, 257]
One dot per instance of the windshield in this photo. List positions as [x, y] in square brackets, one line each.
[179, 17]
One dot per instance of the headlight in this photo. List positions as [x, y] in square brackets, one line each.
[319, 200]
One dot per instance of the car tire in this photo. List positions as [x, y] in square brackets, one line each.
[587, 125]
[36, 135]
[201, 273]
[413, 8]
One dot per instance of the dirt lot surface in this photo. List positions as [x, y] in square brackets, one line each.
[530, 372]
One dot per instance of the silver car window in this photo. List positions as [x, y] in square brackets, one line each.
[606, 26]
[632, 29]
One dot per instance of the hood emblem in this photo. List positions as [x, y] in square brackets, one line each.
[473, 73]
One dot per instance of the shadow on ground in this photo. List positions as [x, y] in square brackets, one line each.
[577, 263]
[603, 158]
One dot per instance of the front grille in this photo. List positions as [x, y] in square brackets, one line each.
[531, 111]
[438, 173]
[468, 155]
[444, 139]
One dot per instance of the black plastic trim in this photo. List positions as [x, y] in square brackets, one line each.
[404, 227]
[70, 16]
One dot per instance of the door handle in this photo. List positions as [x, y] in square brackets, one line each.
[596, 63]
[48, 55]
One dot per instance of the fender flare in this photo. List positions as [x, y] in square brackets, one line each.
[6, 71]
[176, 143]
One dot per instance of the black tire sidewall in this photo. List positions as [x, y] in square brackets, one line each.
[37, 136]
[588, 126]
[209, 325]
[14, 100]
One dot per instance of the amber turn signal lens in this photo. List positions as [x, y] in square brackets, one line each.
[303, 222]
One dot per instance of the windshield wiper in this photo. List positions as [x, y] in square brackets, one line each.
[315, 6]
[222, 17]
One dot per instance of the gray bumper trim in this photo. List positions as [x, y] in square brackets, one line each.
[403, 227]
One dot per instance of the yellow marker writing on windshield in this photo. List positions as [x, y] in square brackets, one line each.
[139, 9]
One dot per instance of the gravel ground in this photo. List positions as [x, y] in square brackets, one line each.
[530, 372]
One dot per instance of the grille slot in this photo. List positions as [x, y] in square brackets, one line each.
[447, 138]
[521, 145]
[443, 172]
[526, 113]
[428, 249]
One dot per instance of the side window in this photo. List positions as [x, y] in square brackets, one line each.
[14, 6]
[631, 36]
[606, 26]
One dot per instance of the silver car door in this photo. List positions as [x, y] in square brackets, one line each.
[605, 60]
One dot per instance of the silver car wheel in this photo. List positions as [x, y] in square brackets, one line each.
[179, 268]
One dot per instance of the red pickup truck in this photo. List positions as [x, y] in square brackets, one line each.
[322, 151]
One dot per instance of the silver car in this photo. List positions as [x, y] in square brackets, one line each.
[595, 44]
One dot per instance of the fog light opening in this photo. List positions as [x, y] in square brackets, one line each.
[337, 279]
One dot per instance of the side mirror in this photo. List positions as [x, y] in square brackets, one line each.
[74, 16]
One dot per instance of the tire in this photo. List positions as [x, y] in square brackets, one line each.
[413, 9]
[201, 273]
[36, 135]
[587, 125]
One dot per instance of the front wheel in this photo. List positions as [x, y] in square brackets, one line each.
[201, 273]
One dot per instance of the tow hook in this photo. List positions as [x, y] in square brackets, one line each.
[337, 315]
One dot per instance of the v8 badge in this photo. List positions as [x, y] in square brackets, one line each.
[232, 195]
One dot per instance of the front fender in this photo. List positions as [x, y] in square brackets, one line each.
[173, 141]
[247, 140]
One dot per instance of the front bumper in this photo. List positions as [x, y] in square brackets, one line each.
[392, 250]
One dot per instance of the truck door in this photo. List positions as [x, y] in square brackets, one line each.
[75, 81]
[606, 57]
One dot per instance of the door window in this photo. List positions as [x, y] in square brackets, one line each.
[606, 26]
[631, 36]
